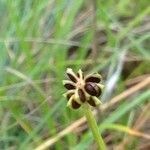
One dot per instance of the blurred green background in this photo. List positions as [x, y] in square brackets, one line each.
[40, 39]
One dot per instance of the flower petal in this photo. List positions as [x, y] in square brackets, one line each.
[72, 103]
[68, 84]
[91, 102]
[76, 97]
[69, 93]
[81, 95]
[71, 75]
[101, 86]
[94, 101]
[92, 89]
[75, 105]
[93, 78]
[80, 74]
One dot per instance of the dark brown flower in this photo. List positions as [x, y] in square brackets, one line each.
[82, 89]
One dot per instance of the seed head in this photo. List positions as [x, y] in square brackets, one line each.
[82, 89]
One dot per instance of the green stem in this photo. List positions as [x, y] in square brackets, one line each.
[93, 125]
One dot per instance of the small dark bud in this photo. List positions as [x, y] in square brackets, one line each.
[93, 78]
[72, 78]
[71, 75]
[75, 105]
[81, 95]
[68, 95]
[92, 89]
[69, 86]
[91, 102]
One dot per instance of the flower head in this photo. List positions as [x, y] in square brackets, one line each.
[82, 89]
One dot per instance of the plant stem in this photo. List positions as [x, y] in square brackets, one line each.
[93, 125]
